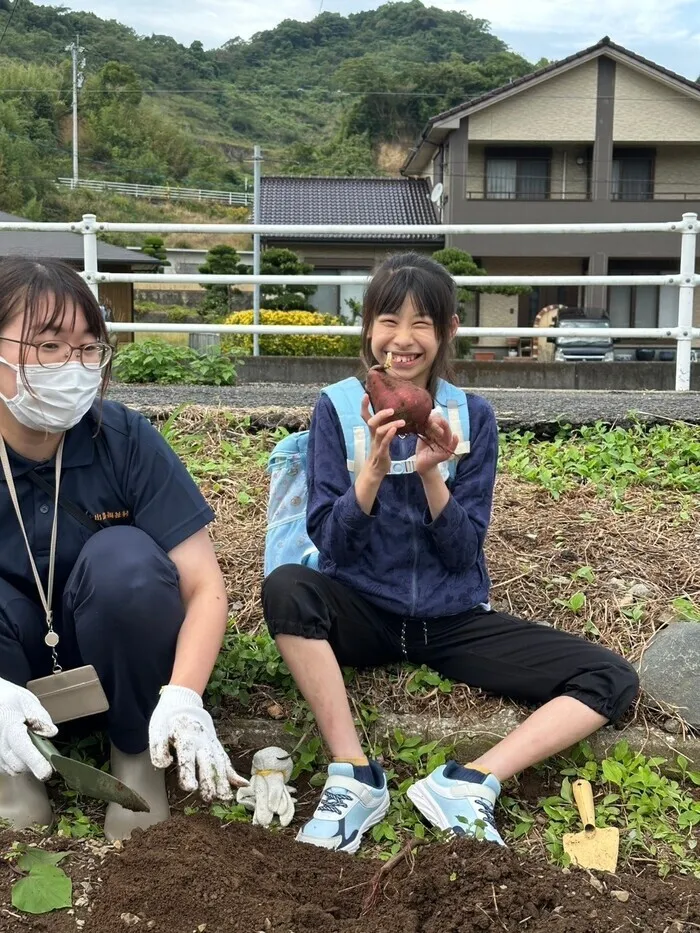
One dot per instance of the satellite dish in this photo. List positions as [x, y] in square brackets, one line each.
[436, 193]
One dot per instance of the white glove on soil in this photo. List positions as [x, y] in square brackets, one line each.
[268, 792]
[180, 720]
[20, 709]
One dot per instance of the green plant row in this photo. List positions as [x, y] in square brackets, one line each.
[610, 459]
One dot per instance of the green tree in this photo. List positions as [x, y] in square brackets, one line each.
[155, 246]
[221, 260]
[114, 83]
[285, 297]
[459, 262]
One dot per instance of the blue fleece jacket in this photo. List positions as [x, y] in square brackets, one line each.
[398, 557]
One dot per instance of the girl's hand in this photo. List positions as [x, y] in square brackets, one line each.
[444, 445]
[382, 430]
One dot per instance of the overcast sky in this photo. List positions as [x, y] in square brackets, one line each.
[666, 31]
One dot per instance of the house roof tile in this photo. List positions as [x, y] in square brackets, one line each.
[330, 200]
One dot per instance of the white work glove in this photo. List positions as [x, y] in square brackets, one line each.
[268, 792]
[19, 711]
[180, 720]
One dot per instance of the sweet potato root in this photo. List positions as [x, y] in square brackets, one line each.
[409, 402]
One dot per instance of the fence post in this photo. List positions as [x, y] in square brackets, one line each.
[686, 295]
[89, 230]
[257, 162]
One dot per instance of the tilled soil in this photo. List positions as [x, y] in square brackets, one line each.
[193, 875]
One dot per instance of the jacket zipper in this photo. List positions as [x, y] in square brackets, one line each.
[414, 578]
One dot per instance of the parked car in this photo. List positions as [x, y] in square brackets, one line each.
[574, 346]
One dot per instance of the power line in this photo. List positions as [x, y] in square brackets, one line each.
[7, 24]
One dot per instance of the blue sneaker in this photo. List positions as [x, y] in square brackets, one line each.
[464, 808]
[347, 809]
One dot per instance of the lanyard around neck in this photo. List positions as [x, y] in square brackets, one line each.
[46, 596]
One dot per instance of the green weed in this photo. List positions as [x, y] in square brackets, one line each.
[610, 459]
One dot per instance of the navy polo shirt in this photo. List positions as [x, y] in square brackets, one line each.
[123, 473]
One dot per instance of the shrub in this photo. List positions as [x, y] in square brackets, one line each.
[291, 344]
[170, 364]
[176, 315]
[173, 314]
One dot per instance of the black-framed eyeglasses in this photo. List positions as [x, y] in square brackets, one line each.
[52, 354]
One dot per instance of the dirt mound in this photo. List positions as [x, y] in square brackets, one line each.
[193, 874]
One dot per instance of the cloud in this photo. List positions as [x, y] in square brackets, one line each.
[213, 22]
[667, 31]
[628, 22]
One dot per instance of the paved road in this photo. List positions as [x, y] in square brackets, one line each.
[514, 407]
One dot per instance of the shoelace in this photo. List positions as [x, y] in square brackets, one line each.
[334, 802]
[486, 811]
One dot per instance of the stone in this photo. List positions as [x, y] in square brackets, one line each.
[669, 671]
[622, 896]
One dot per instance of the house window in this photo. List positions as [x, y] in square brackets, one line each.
[517, 174]
[643, 305]
[632, 175]
[326, 297]
[332, 299]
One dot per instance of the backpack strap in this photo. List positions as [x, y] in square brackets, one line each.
[455, 407]
[347, 398]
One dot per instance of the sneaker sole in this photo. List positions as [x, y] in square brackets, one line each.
[351, 847]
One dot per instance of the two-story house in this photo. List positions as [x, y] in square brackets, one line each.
[600, 137]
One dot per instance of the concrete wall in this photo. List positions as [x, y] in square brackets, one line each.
[648, 110]
[497, 311]
[639, 245]
[506, 374]
[560, 108]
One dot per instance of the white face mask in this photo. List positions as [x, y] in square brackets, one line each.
[58, 399]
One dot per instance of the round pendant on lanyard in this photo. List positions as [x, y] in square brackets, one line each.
[51, 638]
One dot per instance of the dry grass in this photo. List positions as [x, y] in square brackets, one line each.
[536, 550]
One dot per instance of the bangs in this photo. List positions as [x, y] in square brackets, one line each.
[401, 285]
[48, 294]
[57, 289]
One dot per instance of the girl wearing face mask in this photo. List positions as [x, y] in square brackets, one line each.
[111, 597]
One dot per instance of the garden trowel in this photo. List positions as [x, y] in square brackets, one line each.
[88, 780]
[593, 848]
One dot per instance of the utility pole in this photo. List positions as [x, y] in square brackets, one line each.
[78, 77]
[257, 171]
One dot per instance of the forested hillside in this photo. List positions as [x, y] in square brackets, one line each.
[320, 97]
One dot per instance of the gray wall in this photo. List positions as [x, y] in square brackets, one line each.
[637, 245]
[491, 375]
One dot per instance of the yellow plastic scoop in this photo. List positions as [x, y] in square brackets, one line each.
[593, 848]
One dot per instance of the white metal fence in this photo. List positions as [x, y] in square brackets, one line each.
[160, 192]
[685, 280]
